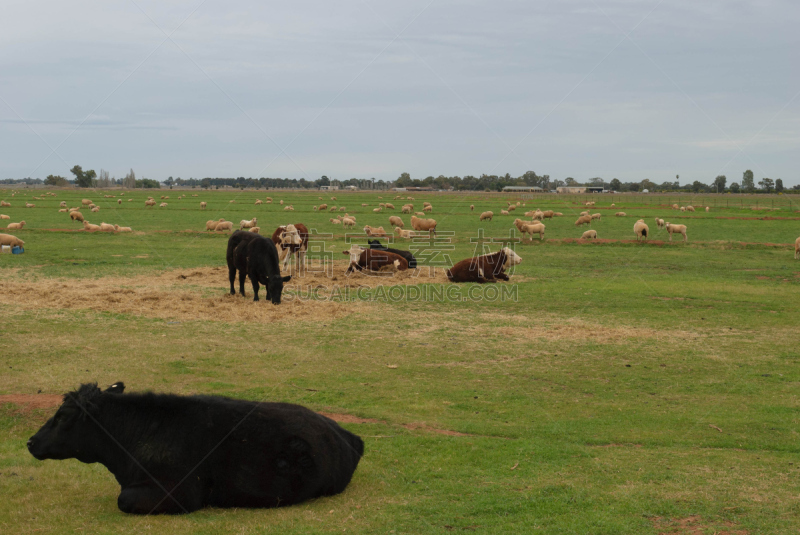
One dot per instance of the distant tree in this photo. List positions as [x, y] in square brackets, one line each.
[778, 185]
[734, 187]
[84, 179]
[403, 181]
[616, 185]
[130, 180]
[747, 181]
[55, 180]
[324, 181]
[148, 183]
[766, 184]
[648, 185]
[169, 181]
[102, 179]
[719, 183]
[569, 181]
[633, 186]
[698, 186]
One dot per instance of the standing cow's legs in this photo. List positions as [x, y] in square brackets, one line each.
[255, 288]
[301, 262]
[232, 278]
[149, 498]
[242, 276]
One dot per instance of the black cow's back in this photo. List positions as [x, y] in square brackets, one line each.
[412, 262]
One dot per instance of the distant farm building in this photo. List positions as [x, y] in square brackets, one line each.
[522, 188]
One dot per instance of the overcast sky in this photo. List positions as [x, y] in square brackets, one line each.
[582, 88]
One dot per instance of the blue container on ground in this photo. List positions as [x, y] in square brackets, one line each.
[17, 250]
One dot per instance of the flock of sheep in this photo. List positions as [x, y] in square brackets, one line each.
[419, 223]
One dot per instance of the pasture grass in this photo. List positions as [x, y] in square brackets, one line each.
[629, 388]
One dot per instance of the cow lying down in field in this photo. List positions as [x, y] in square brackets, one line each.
[373, 260]
[256, 256]
[177, 454]
[377, 245]
[485, 268]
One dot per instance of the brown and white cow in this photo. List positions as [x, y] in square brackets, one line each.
[485, 268]
[373, 260]
[291, 240]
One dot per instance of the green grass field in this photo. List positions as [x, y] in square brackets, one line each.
[621, 387]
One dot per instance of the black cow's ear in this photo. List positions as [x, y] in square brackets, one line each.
[287, 278]
[116, 388]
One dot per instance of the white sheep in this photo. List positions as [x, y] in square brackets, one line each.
[676, 229]
[589, 235]
[660, 223]
[641, 229]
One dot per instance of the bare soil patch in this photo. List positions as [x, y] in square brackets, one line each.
[28, 402]
[694, 525]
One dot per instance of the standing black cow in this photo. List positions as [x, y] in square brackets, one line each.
[176, 454]
[376, 244]
[237, 238]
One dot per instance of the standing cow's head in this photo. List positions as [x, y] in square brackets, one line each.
[291, 236]
[275, 287]
[512, 258]
[72, 431]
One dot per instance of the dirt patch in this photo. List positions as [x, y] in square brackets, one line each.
[616, 445]
[694, 525]
[423, 427]
[350, 419]
[28, 402]
[576, 329]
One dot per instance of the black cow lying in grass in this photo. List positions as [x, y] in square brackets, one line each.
[176, 454]
[258, 257]
[376, 244]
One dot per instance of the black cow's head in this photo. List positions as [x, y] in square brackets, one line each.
[71, 431]
[275, 288]
[376, 244]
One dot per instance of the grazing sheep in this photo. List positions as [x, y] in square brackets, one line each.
[203, 205]
[660, 223]
[86, 202]
[15, 226]
[690, 208]
[244, 223]
[5, 204]
[130, 200]
[589, 235]
[424, 225]
[348, 222]
[334, 198]
[162, 197]
[404, 233]
[585, 213]
[8, 239]
[224, 225]
[341, 208]
[428, 208]
[471, 207]
[375, 231]
[119, 201]
[212, 225]
[538, 215]
[512, 208]
[558, 214]
[708, 208]
[162, 205]
[683, 208]
[530, 228]
[4, 216]
[620, 214]
[255, 230]
[323, 207]
[259, 201]
[503, 212]
[63, 204]
[407, 209]
[89, 227]
[421, 214]
[97, 209]
[641, 229]
[376, 210]
[613, 205]
[76, 216]
[583, 220]
[382, 205]
[548, 214]
[426, 203]
[797, 249]
[29, 205]
[233, 201]
[335, 221]
[150, 202]
[122, 229]
[105, 227]
[487, 215]
[396, 221]
[333, 209]
[676, 229]
[314, 209]
[596, 216]
[674, 206]
[389, 206]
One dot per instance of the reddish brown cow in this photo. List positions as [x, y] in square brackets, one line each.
[291, 240]
[373, 259]
[486, 268]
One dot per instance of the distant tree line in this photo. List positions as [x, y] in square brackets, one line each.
[718, 185]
